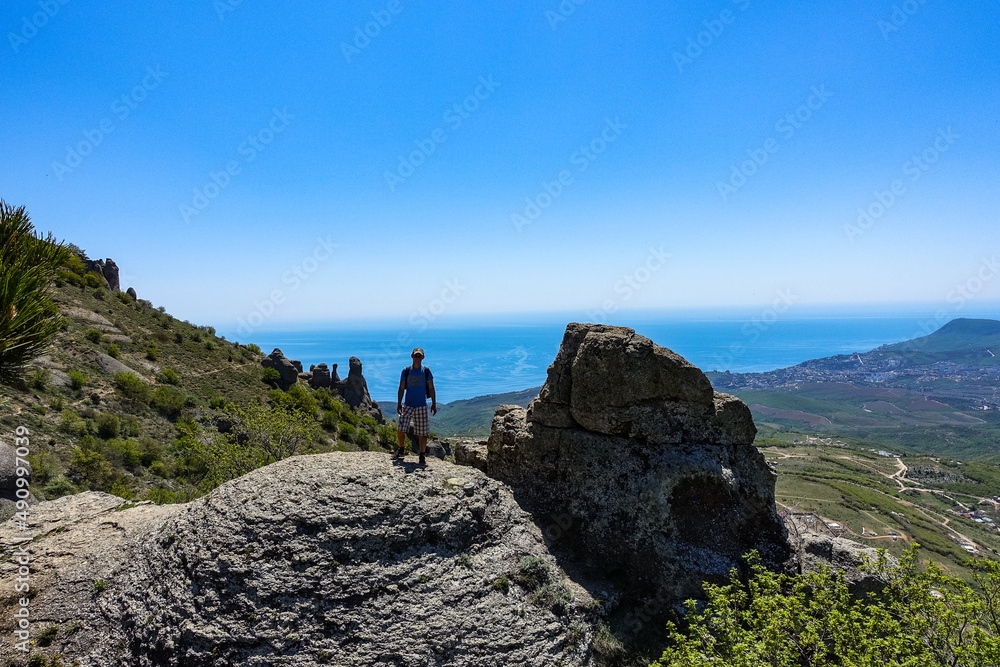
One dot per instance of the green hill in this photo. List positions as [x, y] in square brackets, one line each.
[959, 341]
[127, 398]
[470, 418]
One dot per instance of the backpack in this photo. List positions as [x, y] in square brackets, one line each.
[406, 376]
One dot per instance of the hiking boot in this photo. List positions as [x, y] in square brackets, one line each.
[399, 455]
[423, 461]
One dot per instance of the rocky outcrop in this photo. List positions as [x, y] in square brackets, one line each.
[9, 468]
[334, 376]
[286, 369]
[131, 292]
[320, 376]
[109, 364]
[354, 390]
[638, 465]
[814, 552]
[297, 364]
[472, 453]
[343, 559]
[106, 269]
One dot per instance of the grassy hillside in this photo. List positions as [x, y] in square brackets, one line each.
[127, 398]
[827, 481]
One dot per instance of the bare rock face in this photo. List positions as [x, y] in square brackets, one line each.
[639, 466]
[343, 559]
[355, 391]
[320, 376]
[131, 292]
[106, 269]
[277, 360]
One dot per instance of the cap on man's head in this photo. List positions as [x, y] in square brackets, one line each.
[417, 352]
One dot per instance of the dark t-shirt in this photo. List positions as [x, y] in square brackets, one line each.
[416, 386]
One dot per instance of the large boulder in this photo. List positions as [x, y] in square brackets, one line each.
[289, 375]
[639, 466]
[342, 559]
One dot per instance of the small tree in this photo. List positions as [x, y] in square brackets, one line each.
[259, 436]
[28, 317]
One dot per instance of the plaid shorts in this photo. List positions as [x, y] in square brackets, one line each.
[418, 415]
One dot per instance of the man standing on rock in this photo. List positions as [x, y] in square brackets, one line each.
[417, 383]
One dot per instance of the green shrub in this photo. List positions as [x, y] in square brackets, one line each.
[121, 489]
[296, 398]
[46, 636]
[556, 597]
[362, 438]
[253, 347]
[131, 427]
[216, 402]
[90, 466]
[70, 422]
[151, 353]
[93, 335]
[163, 496]
[921, 616]
[196, 336]
[114, 351]
[387, 437]
[40, 378]
[108, 426]
[160, 469]
[270, 375]
[330, 421]
[533, 573]
[168, 376]
[77, 380]
[59, 487]
[178, 337]
[150, 452]
[211, 346]
[93, 280]
[168, 401]
[350, 416]
[347, 431]
[44, 467]
[127, 451]
[132, 388]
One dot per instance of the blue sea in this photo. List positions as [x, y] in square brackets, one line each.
[494, 355]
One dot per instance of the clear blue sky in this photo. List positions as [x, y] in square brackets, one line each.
[643, 109]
